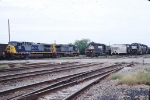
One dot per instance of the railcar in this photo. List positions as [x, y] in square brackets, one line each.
[96, 49]
[18, 50]
[67, 50]
[148, 50]
[74, 50]
[136, 49]
[120, 49]
[144, 49]
[2, 51]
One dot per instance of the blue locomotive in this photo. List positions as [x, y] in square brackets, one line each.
[19, 50]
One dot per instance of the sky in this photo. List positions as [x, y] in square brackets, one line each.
[64, 21]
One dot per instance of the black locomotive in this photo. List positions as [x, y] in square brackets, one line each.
[97, 49]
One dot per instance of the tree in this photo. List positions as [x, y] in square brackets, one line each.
[70, 43]
[82, 44]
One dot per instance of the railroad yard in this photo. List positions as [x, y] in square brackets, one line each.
[75, 50]
[71, 79]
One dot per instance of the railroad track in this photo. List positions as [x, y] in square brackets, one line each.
[67, 81]
[34, 65]
[33, 69]
[91, 75]
[41, 72]
[13, 90]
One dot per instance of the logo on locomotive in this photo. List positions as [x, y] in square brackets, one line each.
[34, 47]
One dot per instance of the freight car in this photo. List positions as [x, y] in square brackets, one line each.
[18, 50]
[97, 49]
[2, 51]
[120, 49]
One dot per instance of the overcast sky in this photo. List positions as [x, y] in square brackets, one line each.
[101, 21]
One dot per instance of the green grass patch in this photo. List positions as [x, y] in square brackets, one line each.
[115, 76]
[147, 69]
[18, 65]
[116, 62]
[123, 62]
[141, 77]
[4, 67]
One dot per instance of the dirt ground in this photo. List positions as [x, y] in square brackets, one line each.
[113, 59]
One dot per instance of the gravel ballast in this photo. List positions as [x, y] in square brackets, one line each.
[109, 89]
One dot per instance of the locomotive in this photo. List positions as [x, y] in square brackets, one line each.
[18, 50]
[137, 48]
[97, 49]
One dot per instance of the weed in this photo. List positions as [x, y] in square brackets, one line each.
[18, 65]
[147, 69]
[116, 62]
[141, 77]
[115, 76]
[4, 67]
[123, 62]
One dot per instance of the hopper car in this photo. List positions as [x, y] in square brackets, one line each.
[120, 49]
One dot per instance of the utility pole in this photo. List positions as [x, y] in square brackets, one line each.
[8, 30]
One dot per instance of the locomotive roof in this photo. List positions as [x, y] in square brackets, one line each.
[93, 43]
[30, 42]
[136, 43]
[120, 44]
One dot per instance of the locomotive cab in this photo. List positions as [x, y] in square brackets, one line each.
[10, 49]
[136, 48]
[95, 49]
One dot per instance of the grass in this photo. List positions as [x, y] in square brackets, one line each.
[141, 77]
[116, 62]
[115, 76]
[18, 65]
[4, 67]
[123, 62]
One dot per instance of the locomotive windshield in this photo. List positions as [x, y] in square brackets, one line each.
[100, 47]
[91, 47]
[134, 47]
